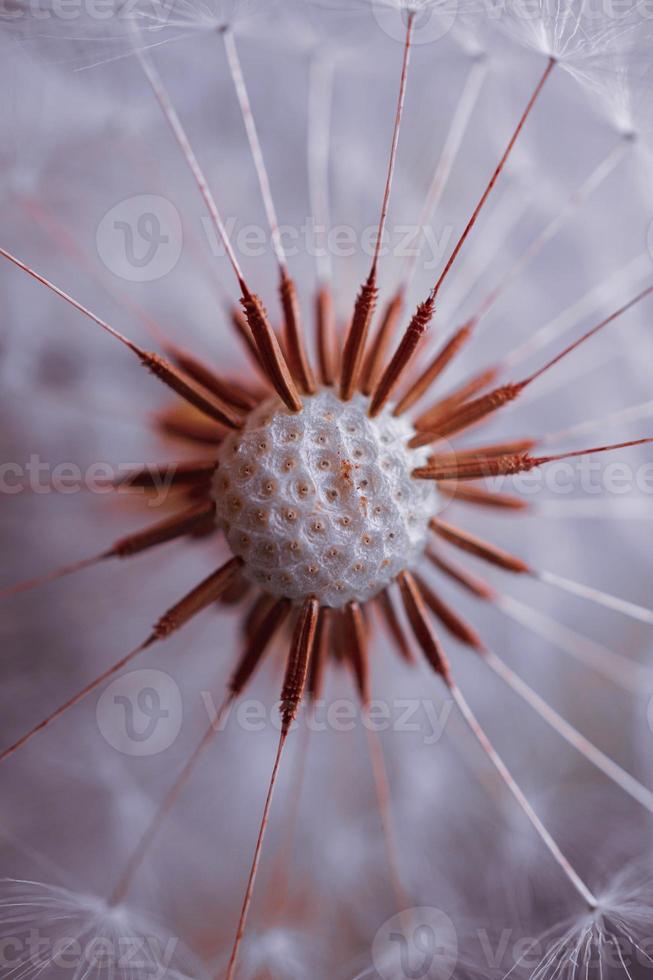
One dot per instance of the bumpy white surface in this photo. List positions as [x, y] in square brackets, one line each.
[322, 502]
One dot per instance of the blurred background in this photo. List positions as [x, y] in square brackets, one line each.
[92, 184]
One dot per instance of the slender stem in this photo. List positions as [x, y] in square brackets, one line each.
[242, 95]
[616, 773]
[395, 140]
[183, 142]
[499, 168]
[502, 769]
[457, 130]
[320, 99]
[242, 922]
[145, 842]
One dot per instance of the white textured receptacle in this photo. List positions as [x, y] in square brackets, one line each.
[323, 502]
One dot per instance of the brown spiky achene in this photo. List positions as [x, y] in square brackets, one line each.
[209, 406]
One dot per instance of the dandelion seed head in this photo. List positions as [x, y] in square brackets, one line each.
[322, 502]
[51, 931]
[612, 940]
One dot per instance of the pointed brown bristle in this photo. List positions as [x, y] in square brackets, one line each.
[239, 321]
[433, 415]
[470, 582]
[168, 530]
[326, 336]
[354, 349]
[435, 368]
[235, 396]
[320, 654]
[178, 422]
[479, 548]
[469, 414]
[419, 621]
[497, 449]
[403, 356]
[202, 596]
[259, 639]
[381, 342]
[154, 477]
[271, 356]
[294, 336]
[182, 385]
[448, 467]
[482, 498]
[298, 663]
[449, 618]
[357, 649]
[385, 604]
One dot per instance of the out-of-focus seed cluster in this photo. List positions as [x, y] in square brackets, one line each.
[322, 502]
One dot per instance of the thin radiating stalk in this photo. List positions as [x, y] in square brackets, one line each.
[471, 413]
[635, 413]
[280, 875]
[496, 760]
[635, 270]
[587, 749]
[263, 178]
[395, 140]
[605, 599]
[206, 593]
[480, 466]
[292, 694]
[320, 104]
[179, 133]
[384, 800]
[453, 141]
[161, 533]
[354, 348]
[495, 176]
[616, 668]
[293, 330]
[268, 349]
[571, 207]
[147, 839]
[172, 377]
